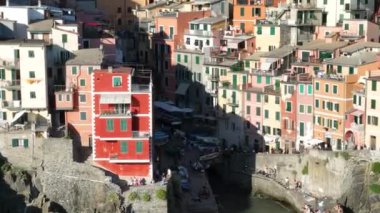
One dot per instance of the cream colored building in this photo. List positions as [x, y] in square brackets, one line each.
[372, 133]
[270, 37]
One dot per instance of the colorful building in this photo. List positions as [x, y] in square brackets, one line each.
[289, 113]
[270, 36]
[372, 133]
[122, 121]
[360, 30]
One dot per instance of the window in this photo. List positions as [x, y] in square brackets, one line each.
[267, 79]
[259, 30]
[266, 114]
[185, 58]
[123, 146]
[339, 69]
[351, 70]
[336, 106]
[242, 11]
[64, 38]
[119, 21]
[335, 89]
[3, 97]
[82, 98]
[83, 116]
[224, 95]
[258, 111]
[258, 98]
[309, 89]
[301, 88]
[32, 95]
[119, 9]
[258, 11]
[341, 2]
[32, 74]
[60, 97]
[248, 96]
[288, 106]
[302, 109]
[207, 70]
[242, 27]
[2, 74]
[196, 59]
[277, 100]
[346, 26]
[139, 147]
[248, 110]
[68, 97]
[354, 99]
[373, 104]
[259, 79]
[178, 58]
[90, 70]
[110, 126]
[374, 84]
[123, 125]
[277, 116]
[82, 82]
[266, 98]
[116, 81]
[335, 124]
[302, 129]
[317, 86]
[326, 88]
[73, 70]
[171, 32]
[31, 53]
[324, 1]
[129, 9]
[309, 109]
[272, 30]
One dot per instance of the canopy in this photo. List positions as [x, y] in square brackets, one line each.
[182, 89]
[167, 106]
[270, 139]
[115, 99]
[17, 116]
[357, 113]
[313, 142]
[265, 66]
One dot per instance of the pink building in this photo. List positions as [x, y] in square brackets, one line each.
[289, 110]
[73, 100]
[360, 30]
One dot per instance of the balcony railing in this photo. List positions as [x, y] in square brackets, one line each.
[115, 113]
[139, 134]
[10, 64]
[199, 32]
[15, 84]
[140, 88]
[213, 78]
[11, 104]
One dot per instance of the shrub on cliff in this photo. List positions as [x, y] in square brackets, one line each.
[133, 196]
[345, 155]
[161, 194]
[146, 197]
[375, 188]
[376, 167]
[305, 170]
[112, 197]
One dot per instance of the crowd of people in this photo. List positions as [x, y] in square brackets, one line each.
[137, 181]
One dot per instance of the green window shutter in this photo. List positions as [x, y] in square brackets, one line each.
[90, 70]
[309, 109]
[191, 26]
[246, 63]
[354, 99]
[244, 80]
[109, 125]
[2, 73]
[64, 38]
[14, 142]
[82, 82]
[17, 53]
[267, 79]
[185, 58]
[302, 129]
[74, 70]
[196, 59]
[351, 70]
[259, 79]
[178, 58]
[317, 86]
[253, 11]
[116, 81]
[361, 29]
[302, 89]
[326, 88]
[319, 120]
[339, 69]
[3, 97]
[31, 53]
[4, 115]
[123, 125]
[242, 11]
[124, 146]
[277, 100]
[207, 70]
[258, 98]
[242, 27]
[139, 146]
[259, 30]
[337, 107]
[335, 124]
[248, 96]
[374, 85]
[224, 93]
[83, 116]
[82, 98]
[234, 81]
[266, 114]
[335, 89]
[26, 143]
[309, 89]
[248, 110]
[316, 103]
[288, 106]
[302, 108]
[373, 104]
[272, 30]
[346, 26]
[277, 116]
[32, 74]
[258, 111]
[341, 2]
[360, 100]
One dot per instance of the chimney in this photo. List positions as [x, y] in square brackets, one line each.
[110, 69]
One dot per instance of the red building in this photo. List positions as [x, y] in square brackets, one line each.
[122, 121]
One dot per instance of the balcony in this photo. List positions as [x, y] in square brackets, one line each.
[10, 85]
[63, 98]
[115, 113]
[11, 105]
[140, 134]
[213, 77]
[198, 32]
[13, 64]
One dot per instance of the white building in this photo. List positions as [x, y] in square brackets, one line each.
[23, 82]
[338, 10]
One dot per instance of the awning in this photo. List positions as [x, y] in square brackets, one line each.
[313, 142]
[115, 99]
[17, 116]
[182, 89]
[270, 139]
[265, 66]
[357, 113]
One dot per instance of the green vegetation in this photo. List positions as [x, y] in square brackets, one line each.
[375, 188]
[133, 196]
[225, 84]
[146, 197]
[345, 155]
[5, 167]
[305, 170]
[161, 194]
[237, 67]
[376, 167]
[112, 197]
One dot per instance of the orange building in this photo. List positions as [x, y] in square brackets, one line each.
[246, 12]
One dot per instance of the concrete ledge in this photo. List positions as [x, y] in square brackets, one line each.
[273, 189]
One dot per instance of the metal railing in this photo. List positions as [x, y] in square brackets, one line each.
[13, 83]
[140, 134]
[11, 104]
[10, 64]
[110, 113]
[199, 32]
[140, 88]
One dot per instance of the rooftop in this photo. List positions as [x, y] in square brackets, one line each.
[322, 45]
[359, 46]
[255, 56]
[23, 42]
[356, 60]
[92, 56]
[41, 26]
[374, 78]
[208, 20]
[279, 53]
